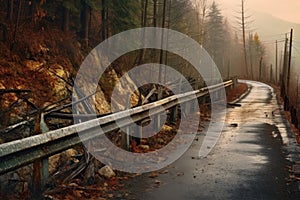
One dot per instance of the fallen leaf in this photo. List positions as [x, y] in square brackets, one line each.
[73, 185]
[153, 175]
[164, 172]
[180, 174]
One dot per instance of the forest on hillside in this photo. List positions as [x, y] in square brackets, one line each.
[29, 27]
[43, 44]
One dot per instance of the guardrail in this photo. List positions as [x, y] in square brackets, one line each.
[18, 153]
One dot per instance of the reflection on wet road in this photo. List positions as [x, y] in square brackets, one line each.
[246, 163]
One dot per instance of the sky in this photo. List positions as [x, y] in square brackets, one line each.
[288, 10]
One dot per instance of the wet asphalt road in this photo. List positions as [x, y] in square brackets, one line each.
[247, 162]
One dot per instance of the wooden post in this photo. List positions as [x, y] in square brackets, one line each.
[285, 64]
[289, 64]
[260, 68]
[297, 93]
[283, 77]
[297, 101]
[276, 64]
[228, 69]
[271, 73]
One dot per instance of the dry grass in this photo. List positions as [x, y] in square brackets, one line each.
[236, 92]
[287, 113]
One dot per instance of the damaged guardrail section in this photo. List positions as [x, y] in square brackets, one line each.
[18, 153]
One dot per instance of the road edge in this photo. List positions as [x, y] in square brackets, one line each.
[242, 95]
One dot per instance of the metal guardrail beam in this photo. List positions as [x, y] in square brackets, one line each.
[18, 153]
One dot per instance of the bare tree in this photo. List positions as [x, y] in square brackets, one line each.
[243, 23]
[201, 7]
[144, 15]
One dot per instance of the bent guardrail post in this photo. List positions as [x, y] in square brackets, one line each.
[40, 166]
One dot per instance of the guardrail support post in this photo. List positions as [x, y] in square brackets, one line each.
[141, 132]
[234, 81]
[45, 171]
[41, 166]
[125, 138]
[37, 179]
[40, 176]
[173, 114]
[157, 117]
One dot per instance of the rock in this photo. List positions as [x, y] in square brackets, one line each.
[180, 174]
[233, 125]
[2, 86]
[60, 159]
[166, 128]
[164, 172]
[160, 141]
[153, 175]
[33, 65]
[73, 185]
[53, 163]
[107, 172]
[70, 153]
[57, 73]
[144, 147]
[49, 197]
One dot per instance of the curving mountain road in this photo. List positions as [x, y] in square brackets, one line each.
[247, 162]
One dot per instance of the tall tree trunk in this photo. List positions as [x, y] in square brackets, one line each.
[154, 13]
[289, 62]
[250, 55]
[204, 10]
[107, 23]
[141, 55]
[260, 68]
[85, 16]
[284, 67]
[10, 10]
[16, 25]
[66, 23]
[153, 52]
[201, 6]
[244, 37]
[103, 15]
[168, 27]
[162, 39]
[276, 63]
[33, 10]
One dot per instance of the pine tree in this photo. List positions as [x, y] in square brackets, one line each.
[214, 39]
[124, 15]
